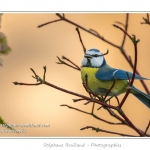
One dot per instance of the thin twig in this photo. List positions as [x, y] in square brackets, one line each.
[63, 57]
[44, 73]
[133, 76]
[128, 77]
[147, 128]
[63, 62]
[70, 107]
[122, 31]
[92, 30]
[130, 123]
[67, 91]
[106, 131]
[147, 21]
[117, 100]
[41, 25]
[105, 102]
[77, 100]
[28, 84]
[79, 26]
[86, 86]
[84, 49]
[95, 116]
[109, 91]
[134, 41]
[93, 108]
[126, 28]
[112, 113]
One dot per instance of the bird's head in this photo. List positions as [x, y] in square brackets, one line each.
[93, 58]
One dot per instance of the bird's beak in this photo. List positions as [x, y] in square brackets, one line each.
[87, 56]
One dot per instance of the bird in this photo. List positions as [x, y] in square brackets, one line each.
[100, 77]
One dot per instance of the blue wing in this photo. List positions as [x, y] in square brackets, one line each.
[116, 74]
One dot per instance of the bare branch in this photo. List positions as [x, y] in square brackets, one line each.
[95, 116]
[106, 131]
[44, 72]
[77, 100]
[63, 62]
[94, 31]
[66, 91]
[128, 77]
[93, 108]
[129, 122]
[146, 20]
[133, 76]
[109, 91]
[63, 57]
[112, 113]
[147, 128]
[126, 28]
[134, 41]
[84, 49]
[44, 24]
[117, 100]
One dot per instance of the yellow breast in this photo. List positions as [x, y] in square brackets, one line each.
[101, 87]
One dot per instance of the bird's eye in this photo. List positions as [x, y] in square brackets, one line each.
[95, 55]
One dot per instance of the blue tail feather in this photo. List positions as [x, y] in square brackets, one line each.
[144, 98]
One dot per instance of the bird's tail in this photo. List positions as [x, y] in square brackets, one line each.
[144, 98]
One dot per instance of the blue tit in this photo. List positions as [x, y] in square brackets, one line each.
[101, 77]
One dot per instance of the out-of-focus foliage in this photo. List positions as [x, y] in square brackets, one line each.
[4, 48]
[5, 124]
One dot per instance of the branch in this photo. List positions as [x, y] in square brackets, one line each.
[92, 112]
[108, 94]
[110, 88]
[112, 113]
[42, 81]
[130, 123]
[146, 20]
[78, 68]
[84, 49]
[44, 24]
[79, 26]
[85, 85]
[95, 116]
[126, 28]
[96, 34]
[147, 128]
[123, 122]
[64, 63]
[106, 131]
[133, 39]
[63, 90]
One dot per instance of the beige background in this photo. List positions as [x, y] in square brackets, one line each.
[34, 47]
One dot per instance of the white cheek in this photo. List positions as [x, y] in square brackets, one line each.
[84, 61]
[97, 62]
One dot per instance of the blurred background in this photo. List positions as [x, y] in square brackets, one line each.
[34, 47]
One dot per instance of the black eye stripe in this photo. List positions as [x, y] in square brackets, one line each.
[95, 55]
